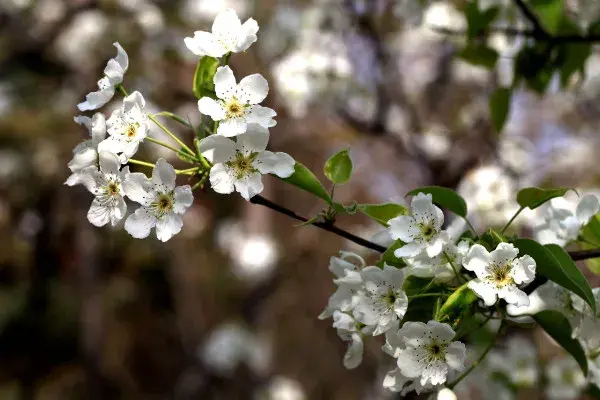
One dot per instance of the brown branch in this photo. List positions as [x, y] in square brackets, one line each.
[526, 11]
[529, 33]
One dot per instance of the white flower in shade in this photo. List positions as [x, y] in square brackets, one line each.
[518, 362]
[440, 266]
[588, 329]
[163, 204]
[394, 380]
[239, 165]
[422, 230]
[350, 330]
[499, 273]
[562, 225]
[106, 184]
[565, 379]
[114, 72]
[228, 36]
[85, 154]
[127, 127]
[429, 353]
[237, 104]
[346, 269]
[382, 303]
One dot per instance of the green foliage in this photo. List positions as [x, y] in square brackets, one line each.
[549, 13]
[534, 65]
[557, 326]
[414, 285]
[479, 54]
[445, 198]
[593, 391]
[338, 168]
[491, 239]
[500, 107]
[420, 309]
[304, 179]
[382, 213]
[457, 306]
[204, 77]
[389, 258]
[591, 235]
[478, 21]
[534, 197]
[556, 265]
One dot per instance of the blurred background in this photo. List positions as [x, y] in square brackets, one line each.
[228, 308]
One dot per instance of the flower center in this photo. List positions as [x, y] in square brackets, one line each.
[427, 231]
[131, 131]
[501, 275]
[234, 109]
[389, 298]
[242, 164]
[435, 351]
[112, 189]
[163, 205]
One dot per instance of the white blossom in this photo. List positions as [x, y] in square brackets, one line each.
[429, 353]
[563, 225]
[422, 230]
[106, 184]
[440, 266]
[499, 273]
[239, 165]
[237, 104]
[163, 204]
[113, 75]
[228, 36]
[352, 331]
[565, 379]
[85, 154]
[382, 303]
[346, 269]
[588, 328]
[127, 127]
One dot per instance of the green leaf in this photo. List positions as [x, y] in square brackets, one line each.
[534, 64]
[382, 213]
[591, 233]
[457, 305]
[555, 269]
[478, 21]
[444, 197]
[491, 239]
[414, 285]
[479, 54]
[338, 168]
[557, 326]
[304, 179]
[204, 77]
[534, 197]
[389, 258]
[500, 107]
[549, 12]
[572, 271]
[593, 391]
[571, 57]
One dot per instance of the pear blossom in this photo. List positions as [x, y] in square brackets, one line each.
[422, 230]
[239, 165]
[429, 353]
[228, 35]
[563, 225]
[382, 303]
[163, 204]
[352, 331]
[113, 75]
[588, 328]
[237, 104]
[440, 266]
[106, 184]
[127, 127]
[499, 273]
[565, 379]
[346, 269]
[85, 154]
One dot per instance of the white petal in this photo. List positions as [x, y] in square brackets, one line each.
[504, 254]
[73, 179]
[354, 354]
[249, 186]
[183, 198]
[232, 127]
[227, 27]
[112, 144]
[140, 223]
[523, 269]
[252, 89]
[394, 380]
[440, 331]
[98, 214]
[409, 363]
[109, 162]
[205, 43]
[114, 72]
[95, 100]
[90, 177]
[168, 226]
[208, 106]
[409, 250]
[280, 164]
[117, 212]
[83, 120]
[225, 85]
[254, 140]
[404, 228]
[98, 128]
[261, 115]
[134, 100]
[83, 159]
[424, 211]
[121, 57]
[477, 260]
[514, 295]
[485, 291]
[221, 179]
[164, 175]
[217, 149]
[587, 208]
[437, 243]
[137, 186]
[247, 35]
[456, 353]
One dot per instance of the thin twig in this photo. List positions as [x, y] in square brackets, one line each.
[527, 33]
[527, 13]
